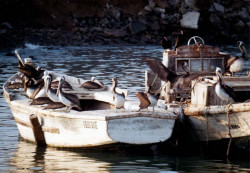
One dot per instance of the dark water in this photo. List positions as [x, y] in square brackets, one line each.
[125, 63]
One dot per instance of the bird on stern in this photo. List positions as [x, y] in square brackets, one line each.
[118, 98]
[69, 100]
[236, 63]
[223, 91]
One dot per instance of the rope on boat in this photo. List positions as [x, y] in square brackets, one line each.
[229, 129]
[206, 126]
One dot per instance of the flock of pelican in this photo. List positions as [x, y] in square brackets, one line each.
[43, 88]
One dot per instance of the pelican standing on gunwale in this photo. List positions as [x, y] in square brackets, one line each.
[147, 99]
[92, 84]
[236, 63]
[119, 99]
[223, 91]
[69, 100]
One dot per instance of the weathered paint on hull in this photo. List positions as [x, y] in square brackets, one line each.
[215, 127]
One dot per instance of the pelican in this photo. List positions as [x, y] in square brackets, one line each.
[165, 43]
[236, 63]
[179, 40]
[223, 91]
[51, 93]
[41, 101]
[69, 100]
[168, 75]
[147, 99]
[119, 99]
[92, 84]
[32, 89]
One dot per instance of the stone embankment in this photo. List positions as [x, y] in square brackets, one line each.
[85, 22]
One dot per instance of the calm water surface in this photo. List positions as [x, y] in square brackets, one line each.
[125, 63]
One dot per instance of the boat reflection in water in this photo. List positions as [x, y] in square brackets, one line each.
[29, 158]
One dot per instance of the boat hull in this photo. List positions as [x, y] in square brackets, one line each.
[213, 124]
[73, 132]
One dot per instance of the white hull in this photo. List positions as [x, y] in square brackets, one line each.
[92, 128]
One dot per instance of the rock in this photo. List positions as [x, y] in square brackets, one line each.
[115, 33]
[240, 26]
[190, 20]
[219, 8]
[159, 10]
[116, 13]
[198, 4]
[244, 14]
[215, 20]
[136, 27]
[162, 3]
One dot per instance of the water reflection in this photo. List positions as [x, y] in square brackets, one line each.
[29, 158]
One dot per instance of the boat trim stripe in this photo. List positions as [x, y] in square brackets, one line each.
[44, 128]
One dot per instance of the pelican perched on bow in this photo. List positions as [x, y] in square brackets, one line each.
[118, 98]
[223, 91]
[236, 63]
[69, 100]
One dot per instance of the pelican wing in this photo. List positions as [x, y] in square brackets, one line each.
[231, 61]
[54, 84]
[144, 101]
[163, 72]
[73, 98]
[188, 79]
[230, 91]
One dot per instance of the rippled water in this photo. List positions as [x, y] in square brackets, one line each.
[124, 62]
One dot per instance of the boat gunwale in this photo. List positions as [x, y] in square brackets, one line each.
[18, 105]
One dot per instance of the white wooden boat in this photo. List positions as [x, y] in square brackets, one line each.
[206, 115]
[98, 124]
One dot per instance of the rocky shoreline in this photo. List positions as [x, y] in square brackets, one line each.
[125, 22]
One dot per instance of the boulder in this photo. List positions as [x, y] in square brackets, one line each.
[190, 20]
[136, 27]
[218, 7]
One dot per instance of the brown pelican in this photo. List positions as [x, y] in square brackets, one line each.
[41, 101]
[92, 84]
[119, 99]
[69, 100]
[235, 64]
[223, 91]
[54, 105]
[51, 93]
[179, 40]
[147, 99]
[29, 70]
[165, 43]
[166, 74]
[32, 89]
